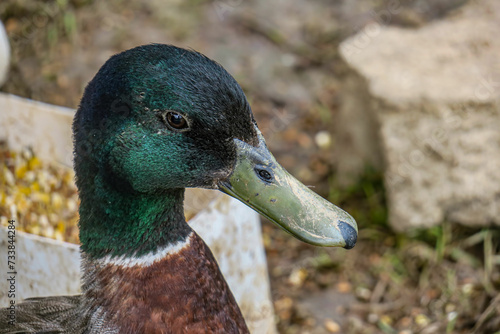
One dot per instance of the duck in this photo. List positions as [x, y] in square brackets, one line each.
[155, 120]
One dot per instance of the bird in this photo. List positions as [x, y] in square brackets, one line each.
[154, 120]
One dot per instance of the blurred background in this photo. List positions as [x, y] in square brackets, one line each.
[388, 108]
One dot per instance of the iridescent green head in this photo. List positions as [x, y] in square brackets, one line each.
[156, 119]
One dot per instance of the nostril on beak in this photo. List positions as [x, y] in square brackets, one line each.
[349, 234]
[264, 175]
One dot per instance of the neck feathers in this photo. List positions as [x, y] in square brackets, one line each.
[177, 288]
[120, 224]
[146, 260]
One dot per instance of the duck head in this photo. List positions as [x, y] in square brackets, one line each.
[157, 119]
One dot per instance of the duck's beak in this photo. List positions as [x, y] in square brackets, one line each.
[261, 183]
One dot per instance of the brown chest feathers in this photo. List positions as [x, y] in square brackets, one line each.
[184, 292]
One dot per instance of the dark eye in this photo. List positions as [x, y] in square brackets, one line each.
[264, 174]
[176, 120]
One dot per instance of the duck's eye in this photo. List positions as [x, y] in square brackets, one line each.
[176, 120]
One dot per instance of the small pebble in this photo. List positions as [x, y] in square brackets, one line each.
[344, 287]
[332, 326]
[363, 293]
[373, 318]
[449, 308]
[422, 320]
[323, 139]
[405, 331]
[405, 322]
[283, 303]
[468, 288]
[297, 277]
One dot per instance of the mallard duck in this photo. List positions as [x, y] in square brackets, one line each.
[154, 120]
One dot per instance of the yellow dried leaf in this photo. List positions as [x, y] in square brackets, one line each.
[34, 163]
[34, 229]
[9, 177]
[56, 201]
[386, 319]
[41, 197]
[24, 190]
[35, 187]
[58, 235]
[61, 227]
[21, 171]
[48, 232]
[22, 205]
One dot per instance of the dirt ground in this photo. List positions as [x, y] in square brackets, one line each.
[284, 55]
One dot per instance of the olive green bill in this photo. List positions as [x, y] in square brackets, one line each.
[260, 182]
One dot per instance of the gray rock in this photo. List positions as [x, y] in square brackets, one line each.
[426, 103]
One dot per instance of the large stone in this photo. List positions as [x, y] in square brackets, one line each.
[426, 102]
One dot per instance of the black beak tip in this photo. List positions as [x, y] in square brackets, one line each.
[349, 234]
